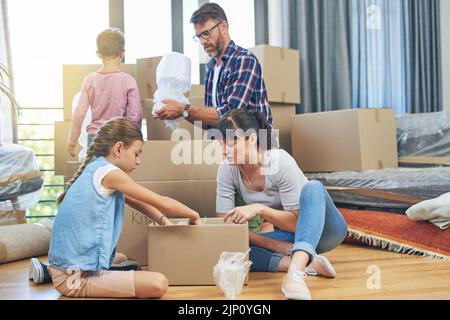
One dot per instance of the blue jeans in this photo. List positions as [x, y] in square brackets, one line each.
[320, 228]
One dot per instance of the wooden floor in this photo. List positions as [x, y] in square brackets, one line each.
[401, 277]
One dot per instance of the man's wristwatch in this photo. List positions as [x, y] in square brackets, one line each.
[186, 110]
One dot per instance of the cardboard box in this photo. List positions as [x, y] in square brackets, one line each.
[200, 195]
[73, 77]
[281, 72]
[12, 217]
[353, 139]
[197, 90]
[187, 254]
[281, 119]
[179, 160]
[157, 130]
[65, 165]
[146, 76]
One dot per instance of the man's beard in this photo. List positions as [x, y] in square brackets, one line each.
[217, 48]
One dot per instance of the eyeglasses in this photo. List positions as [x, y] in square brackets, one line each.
[205, 34]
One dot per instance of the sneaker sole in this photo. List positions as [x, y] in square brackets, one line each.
[35, 272]
[329, 267]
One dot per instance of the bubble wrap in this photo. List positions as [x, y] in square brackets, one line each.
[426, 183]
[230, 273]
[20, 183]
[424, 134]
[173, 76]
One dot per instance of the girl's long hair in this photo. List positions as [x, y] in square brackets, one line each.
[113, 131]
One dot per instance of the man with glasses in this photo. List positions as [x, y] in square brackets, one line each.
[233, 76]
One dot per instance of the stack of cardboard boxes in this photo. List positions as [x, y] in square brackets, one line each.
[185, 171]
[281, 73]
[169, 168]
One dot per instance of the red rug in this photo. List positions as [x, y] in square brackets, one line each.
[396, 232]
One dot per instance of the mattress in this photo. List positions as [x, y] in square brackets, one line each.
[423, 134]
[395, 189]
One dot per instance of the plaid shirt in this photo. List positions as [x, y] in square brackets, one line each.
[240, 83]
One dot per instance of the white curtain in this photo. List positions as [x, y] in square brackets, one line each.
[6, 122]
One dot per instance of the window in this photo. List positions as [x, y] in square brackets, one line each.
[192, 49]
[148, 28]
[241, 18]
[45, 35]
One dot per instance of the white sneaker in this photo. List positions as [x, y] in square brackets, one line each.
[294, 286]
[320, 266]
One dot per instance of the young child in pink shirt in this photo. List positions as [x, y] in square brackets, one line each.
[109, 92]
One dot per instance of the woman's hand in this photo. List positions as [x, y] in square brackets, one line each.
[166, 222]
[195, 219]
[240, 215]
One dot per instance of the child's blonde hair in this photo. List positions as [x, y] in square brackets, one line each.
[113, 131]
[110, 43]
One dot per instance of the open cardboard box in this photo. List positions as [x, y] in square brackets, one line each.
[199, 195]
[187, 254]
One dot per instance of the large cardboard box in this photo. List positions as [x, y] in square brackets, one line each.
[187, 254]
[281, 119]
[146, 76]
[65, 165]
[73, 77]
[353, 139]
[157, 130]
[197, 90]
[281, 72]
[199, 195]
[178, 160]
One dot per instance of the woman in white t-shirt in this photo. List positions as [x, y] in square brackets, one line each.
[274, 188]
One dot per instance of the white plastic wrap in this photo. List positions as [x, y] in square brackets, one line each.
[83, 139]
[173, 77]
[426, 183]
[230, 273]
[20, 181]
[16, 160]
[424, 134]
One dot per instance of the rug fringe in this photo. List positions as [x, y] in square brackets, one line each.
[393, 245]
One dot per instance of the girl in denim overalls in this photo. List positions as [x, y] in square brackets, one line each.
[90, 219]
